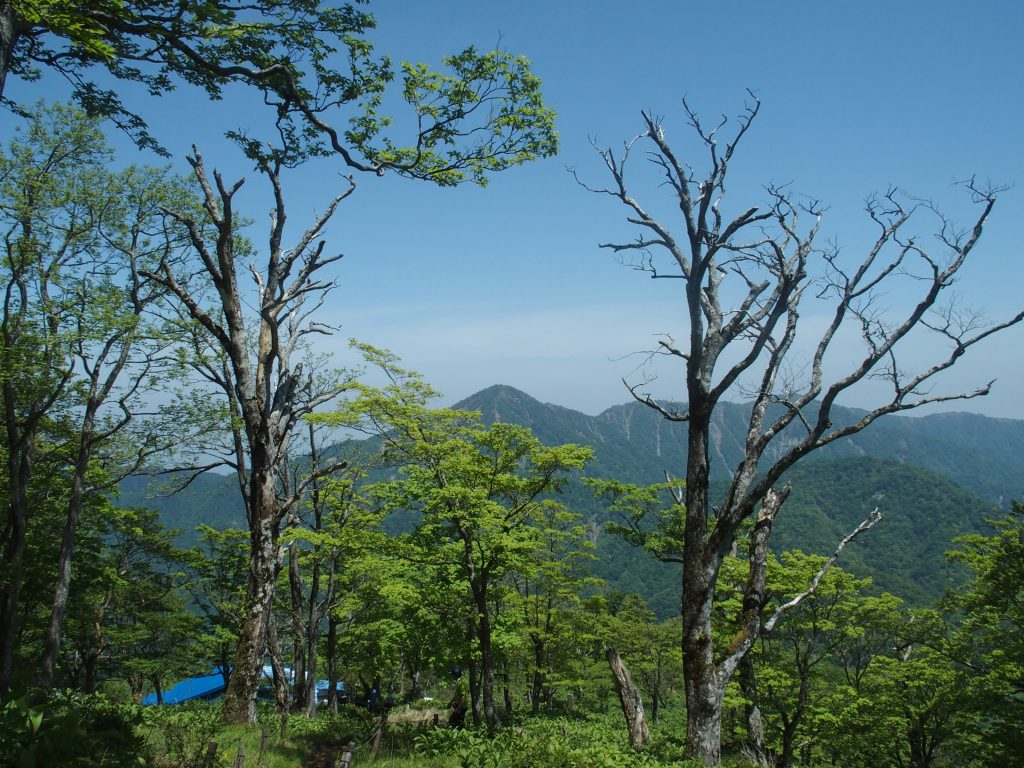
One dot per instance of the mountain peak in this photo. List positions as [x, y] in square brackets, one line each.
[496, 393]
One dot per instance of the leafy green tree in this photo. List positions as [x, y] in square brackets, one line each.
[79, 346]
[650, 647]
[551, 596]
[147, 625]
[129, 617]
[651, 517]
[476, 493]
[988, 643]
[912, 711]
[307, 60]
[485, 117]
[217, 589]
[793, 661]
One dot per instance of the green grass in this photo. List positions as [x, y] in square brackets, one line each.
[179, 737]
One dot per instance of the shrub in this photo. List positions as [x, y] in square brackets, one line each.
[70, 730]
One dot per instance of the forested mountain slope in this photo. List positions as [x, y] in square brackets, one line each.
[933, 477]
[980, 454]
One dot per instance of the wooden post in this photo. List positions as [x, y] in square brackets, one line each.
[240, 759]
[211, 754]
[437, 719]
[264, 740]
[284, 724]
[570, 702]
[346, 756]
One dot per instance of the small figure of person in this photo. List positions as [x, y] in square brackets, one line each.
[458, 702]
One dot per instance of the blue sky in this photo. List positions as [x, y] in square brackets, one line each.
[507, 285]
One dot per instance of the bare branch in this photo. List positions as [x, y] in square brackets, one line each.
[646, 399]
[869, 522]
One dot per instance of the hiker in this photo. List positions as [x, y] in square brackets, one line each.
[458, 702]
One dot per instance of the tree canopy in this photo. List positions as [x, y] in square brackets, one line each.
[312, 64]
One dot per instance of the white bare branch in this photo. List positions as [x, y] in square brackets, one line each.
[869, 522]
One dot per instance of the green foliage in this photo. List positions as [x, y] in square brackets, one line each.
[217, 586]
[653, 518]
[496, 89]
[180, 735]
[482, 114]
[988, 643]
[70, 730]
[906, 556]
[541, 743]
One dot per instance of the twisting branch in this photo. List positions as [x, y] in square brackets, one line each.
[650, 402]
[867, 523]
[762, 260]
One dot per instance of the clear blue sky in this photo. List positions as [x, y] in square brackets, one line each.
[507, 285]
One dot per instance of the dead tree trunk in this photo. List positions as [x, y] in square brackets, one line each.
[770, 252]
[267, 393]
[629, 698]
[752, 712]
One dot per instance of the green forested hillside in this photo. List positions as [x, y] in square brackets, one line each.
[905, 554]
[210, 499]
[933, 478]
[980, 454]
[951, 471]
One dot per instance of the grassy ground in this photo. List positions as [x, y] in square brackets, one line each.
[179, 738]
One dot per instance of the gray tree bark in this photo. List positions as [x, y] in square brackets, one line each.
[769, 251]
[629, 699]
[267, 392]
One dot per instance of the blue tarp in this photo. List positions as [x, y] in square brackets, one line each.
[206, 687]
[321, 685]
[212, 685]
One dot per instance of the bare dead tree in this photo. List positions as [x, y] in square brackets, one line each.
[266, 390]
[771, 255]
[629, 698]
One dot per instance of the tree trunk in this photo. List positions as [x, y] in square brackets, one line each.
[240, 696]
[705, 691]
[298, 627]
[51, 645]
[310, 692]
[416, 693]
[89, 662]
[752, 712]
[8, 38]
[629, 698]
[332, 663]
[537, 689]
[474, 692]
[506, 689]
[280, 677]
[789, 726]
[486, 661]
[19, 470]
[157, 689]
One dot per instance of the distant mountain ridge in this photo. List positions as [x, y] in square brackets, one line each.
[934, 478]
[982, 455]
